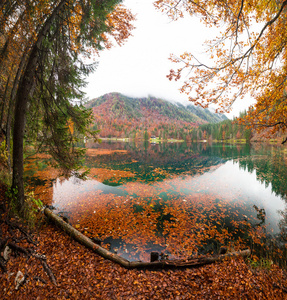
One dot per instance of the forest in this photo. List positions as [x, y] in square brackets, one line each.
[228, 130]
[233, 131]
[119, 116]
[122, 117]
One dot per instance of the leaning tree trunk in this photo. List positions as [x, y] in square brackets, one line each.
[16, 83]
[24, 92]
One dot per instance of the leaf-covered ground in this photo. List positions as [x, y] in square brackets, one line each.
[81, 274]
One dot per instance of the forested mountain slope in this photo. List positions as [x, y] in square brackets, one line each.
[117, 115]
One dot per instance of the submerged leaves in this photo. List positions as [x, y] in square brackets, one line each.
[178, 215]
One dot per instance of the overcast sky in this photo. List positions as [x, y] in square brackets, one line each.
[140, 66]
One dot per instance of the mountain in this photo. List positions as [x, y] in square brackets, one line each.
[117, 115]
[205, 114]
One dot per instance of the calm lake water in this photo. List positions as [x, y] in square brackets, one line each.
[177, 199]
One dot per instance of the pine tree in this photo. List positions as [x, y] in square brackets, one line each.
[41, 52]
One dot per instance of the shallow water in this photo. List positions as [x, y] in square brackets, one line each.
[175, 198]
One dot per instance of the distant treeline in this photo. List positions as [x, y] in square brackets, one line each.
[225, 130]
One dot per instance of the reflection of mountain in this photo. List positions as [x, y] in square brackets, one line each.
[153, 207]
[154, 162]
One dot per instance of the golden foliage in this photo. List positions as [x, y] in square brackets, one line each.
[246, 61]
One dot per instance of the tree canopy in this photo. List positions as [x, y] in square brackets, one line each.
[248, 57]
[43, 49]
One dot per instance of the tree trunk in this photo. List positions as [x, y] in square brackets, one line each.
[8, 134]
[177, 263]
[4, 104]
[16, 83]
[24, 92]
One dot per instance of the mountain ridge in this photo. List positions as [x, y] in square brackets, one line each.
[118, 115]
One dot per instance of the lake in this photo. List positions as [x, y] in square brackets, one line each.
[175, 198]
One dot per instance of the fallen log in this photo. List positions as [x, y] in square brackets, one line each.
[176, 263]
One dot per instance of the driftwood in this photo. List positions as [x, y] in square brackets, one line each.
[190, 262]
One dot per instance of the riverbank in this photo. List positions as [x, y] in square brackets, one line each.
[226, 141]
[151, 140]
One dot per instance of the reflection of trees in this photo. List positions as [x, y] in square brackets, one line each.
[166, 152]
[157, 161]
[227, 151]
[270, 168]
[283, 227]
[162, 216]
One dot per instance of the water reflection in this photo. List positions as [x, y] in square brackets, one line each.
[177, 198]
[232, 183]
[270, 168]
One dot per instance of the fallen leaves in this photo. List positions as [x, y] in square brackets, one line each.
[179, 215]
[95, 152]
[138, 216]
[102, 174]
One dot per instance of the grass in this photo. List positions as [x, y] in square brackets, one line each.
[260, 263]
[273, 141]
[116, 139]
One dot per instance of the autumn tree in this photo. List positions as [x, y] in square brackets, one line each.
[248, 58]
[43, 50]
